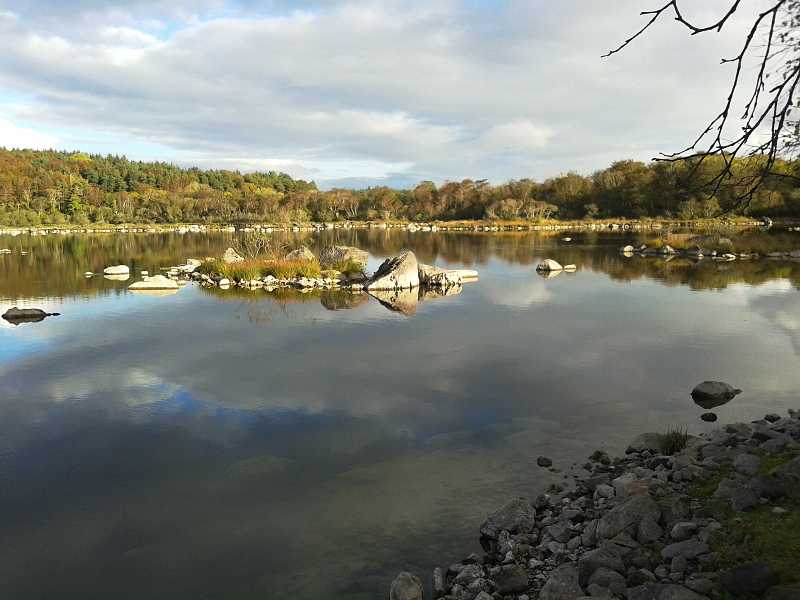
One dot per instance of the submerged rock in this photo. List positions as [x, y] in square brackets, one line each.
[156, 282]
[117, 270]
[15, 315]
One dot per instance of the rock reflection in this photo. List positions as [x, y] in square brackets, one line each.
[403, 301]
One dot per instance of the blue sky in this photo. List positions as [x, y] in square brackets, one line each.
[359, 93]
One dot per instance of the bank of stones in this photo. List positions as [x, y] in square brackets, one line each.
[628, 530]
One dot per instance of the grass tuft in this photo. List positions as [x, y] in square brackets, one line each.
[674, 440]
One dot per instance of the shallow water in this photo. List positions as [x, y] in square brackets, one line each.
[247, 445]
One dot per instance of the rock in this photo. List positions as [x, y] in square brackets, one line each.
[604, 577]
[640, 577]
[698, 251]
[678, 592]
[331, 255]
[743, 499]
[562, 584]
[117, 270]
[301, 254]
[543, 461]
[688, 549]
[434, 276]
[749, 579]
[648, 531]
[400, 272]
[746, 463]
[549, 264]
[156, 282]
[400, 301]
[406, 587]
[628, 484]
[714, 390]
[590, 561]
[783, 592]
[513, 580]
[230, 256]
[515, 516]
[15, 315]
[627, 515]
[666, 249]
[644, 441]
[626, 249]
[709, 417]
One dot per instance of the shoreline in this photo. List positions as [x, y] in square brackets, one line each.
[464, 226]
[646, 526]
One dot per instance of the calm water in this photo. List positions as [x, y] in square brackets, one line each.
[210, 445]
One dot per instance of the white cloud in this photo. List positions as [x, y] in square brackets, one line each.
[518, 135]
[12, 136]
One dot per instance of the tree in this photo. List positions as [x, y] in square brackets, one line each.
[766, 129]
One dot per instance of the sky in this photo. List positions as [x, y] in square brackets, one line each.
[362, 93]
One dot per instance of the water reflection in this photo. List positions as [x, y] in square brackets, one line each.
[249, 444]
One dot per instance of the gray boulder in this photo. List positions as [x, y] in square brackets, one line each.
[687, 549]
[515, 516]
[400, 272]
[562, 584]
[750, 579]
[714, 390]
[627, 515]
[336, 254]
[434, 276]
[15, 315]
[406, 587]
[644, 441]
[117, 270]
[679, 592]
[746, 463]
[743, 499]
[512, 580]
[591, 561]
[783, 592]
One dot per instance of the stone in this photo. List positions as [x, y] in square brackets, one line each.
[301, 254]
[117, 270]
[590, 561]
[698, 251]
[783, 592]
[543, 461]
[512, 580]
[560, 532]
[626, 249]
[640, 577]
[709, 417]
[642, 442]
[714, 390]
[230, 256]
[515, 516]
[628, 484]
[562, 584]
[772, 417]
[678, 592]
[15, 315]
[434, 276]
[766, 486]
[627, 515]
[746, 463]
[593, 482]
[682, 530]
[749, 579]
[155, 282]
[331, 255]
[406, 587]
[743, 499]
[648, 531]
[400, 272]
[700, 586]
[691, 548]
[549, 264]
[605, 577]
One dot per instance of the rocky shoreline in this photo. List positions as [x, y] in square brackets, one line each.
[629, 530]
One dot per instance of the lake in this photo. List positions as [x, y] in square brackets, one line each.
[241, 444]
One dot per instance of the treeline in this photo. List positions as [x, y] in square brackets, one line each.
[49, 187]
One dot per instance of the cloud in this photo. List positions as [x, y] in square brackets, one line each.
[12, 136]
[436, 90]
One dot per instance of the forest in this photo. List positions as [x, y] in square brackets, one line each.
[59, 188]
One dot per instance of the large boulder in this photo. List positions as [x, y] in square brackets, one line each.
[627, 515]
[749, 579]
[515, 516]
[330, 255]
[714, 390]
[400, 272]
[590, 562]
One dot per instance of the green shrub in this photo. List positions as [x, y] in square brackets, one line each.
[674, 440]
